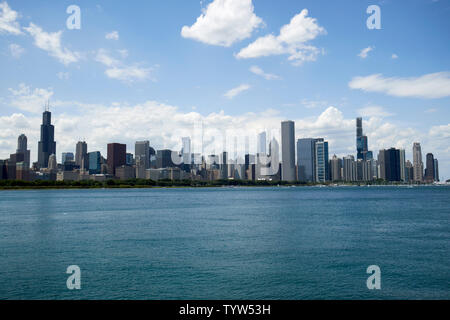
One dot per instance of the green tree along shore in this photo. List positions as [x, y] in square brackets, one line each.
[141, 183]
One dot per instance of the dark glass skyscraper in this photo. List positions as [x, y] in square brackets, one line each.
[361, 141]
[47, 145]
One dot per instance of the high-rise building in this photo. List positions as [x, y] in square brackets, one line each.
[47, 144]
[95, 162]
[417, 162]
[288, 151]
[224, 165]
[409, 171]
[391, 168]
[129, 159]
[67, 156]
[321, 161]
[52, 163]
[142, 153]
[305, 159]
[402, 165]
[261, 143]
[361, 141]
[349, 169]
[81, 153]
[429, 171]
[117, 156]
[22, 146]
[164, 159]
[186, 150]
[335, 168]
[382, 164]
[436, 170]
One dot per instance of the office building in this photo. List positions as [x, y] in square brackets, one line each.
[81, 154]
[417, 162]
[436, 170]
[336, 169]
[321, 161]
[67, 156]
[116, 157]
[47, 144]
[349, 168]
[305, 159]
[261, 143]
[22, 147]
[288, 151]
[95, 162]
[361, 141]
[429, 171]
[164, 159]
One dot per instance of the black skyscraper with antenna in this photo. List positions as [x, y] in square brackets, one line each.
[47, 144]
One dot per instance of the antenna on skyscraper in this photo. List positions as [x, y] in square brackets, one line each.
[47, 106]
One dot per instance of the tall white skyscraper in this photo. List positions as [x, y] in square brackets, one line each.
[288, 151]
[261, 147]
[186, 150]
[417, 162]
[402, 165]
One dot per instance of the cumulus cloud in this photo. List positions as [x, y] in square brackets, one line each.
[429, 86]
[223, 23]
[365, 52]
[114, 35]
[8, 20]
[374, 111]
[16, 50]
[51, 42]
[292, 40]
[28, 99]
[116, 69]
[230, 94]
[394, 56]
[260, 72]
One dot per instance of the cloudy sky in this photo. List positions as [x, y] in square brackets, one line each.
[156, 69]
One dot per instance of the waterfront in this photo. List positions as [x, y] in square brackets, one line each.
[226, 243]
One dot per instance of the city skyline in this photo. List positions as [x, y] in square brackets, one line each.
[302, 160]
[92, 75]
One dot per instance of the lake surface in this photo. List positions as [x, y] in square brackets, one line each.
[226, 243]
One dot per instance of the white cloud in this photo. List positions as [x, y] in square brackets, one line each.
[28, 99]
[114, 35]
[429, 86]
[374, 111]
[365, 52]
[8, 20]
[63, 75]
[260, 72]
[235, 91]
[51, 42]
[119, 71]
[223, 23]
[128, 73]
[292, 40]
[394, 56]
[16, 50]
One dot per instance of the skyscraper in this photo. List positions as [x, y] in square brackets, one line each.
[262, 141]
[321, 161]
[81, 154]
[436, 170]
[95, 162]
[305, 159]
[67, 156]
[142, 153]
[429, 171]
[47, 144]
[116, 156]
[361, 141]
[402, 165]
[417, 162]
[391, 159]
[22, 142]
[335, 168]
[288, 151]
[186, 150]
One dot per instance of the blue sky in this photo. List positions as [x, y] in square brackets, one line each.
[150, 80]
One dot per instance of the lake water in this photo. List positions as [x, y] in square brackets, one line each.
[226, 243]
